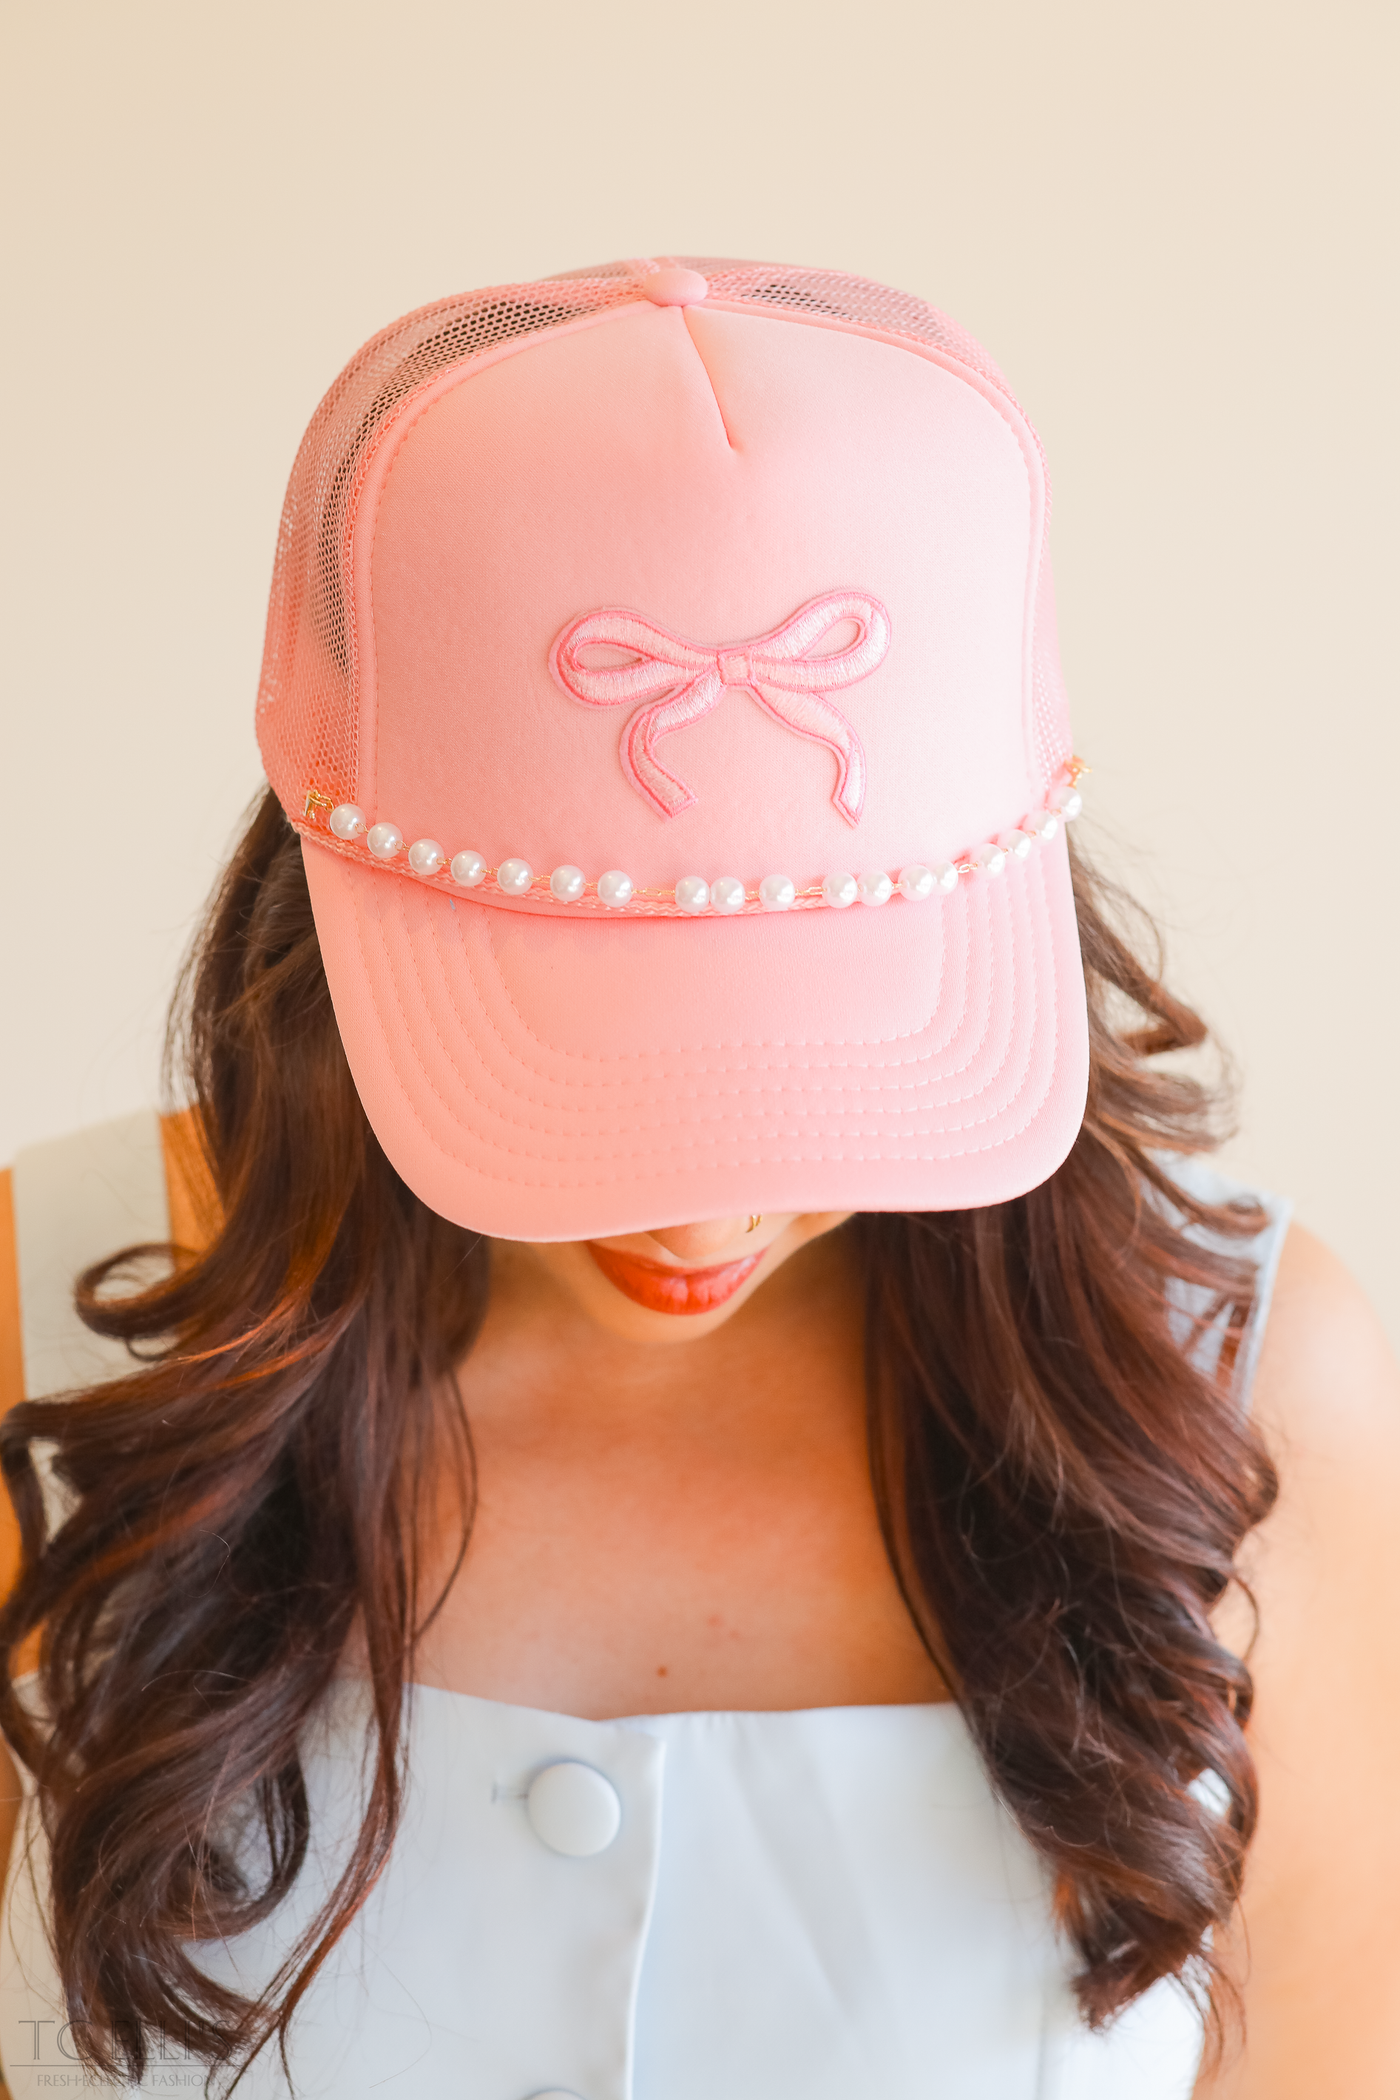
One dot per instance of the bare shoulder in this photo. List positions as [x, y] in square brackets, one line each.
[1325, 1567]
[1319, 1944]
[1328, 1381]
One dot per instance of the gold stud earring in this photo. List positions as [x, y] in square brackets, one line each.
[755, 1220]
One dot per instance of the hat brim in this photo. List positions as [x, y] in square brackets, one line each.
[539, 1078]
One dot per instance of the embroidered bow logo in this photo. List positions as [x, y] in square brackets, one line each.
[678, 681]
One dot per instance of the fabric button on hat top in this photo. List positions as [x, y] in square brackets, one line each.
[675, 287]
[573, 1810]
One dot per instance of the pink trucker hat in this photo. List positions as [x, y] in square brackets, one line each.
[661, 674]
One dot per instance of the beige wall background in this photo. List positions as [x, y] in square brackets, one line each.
[1173, 227]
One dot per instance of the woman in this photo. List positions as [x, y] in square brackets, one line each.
[691, 1525]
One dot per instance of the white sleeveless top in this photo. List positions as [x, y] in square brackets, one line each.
[825, 1905]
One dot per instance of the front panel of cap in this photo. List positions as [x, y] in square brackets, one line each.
[712, 470]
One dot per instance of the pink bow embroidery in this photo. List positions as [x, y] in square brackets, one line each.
[678, 682]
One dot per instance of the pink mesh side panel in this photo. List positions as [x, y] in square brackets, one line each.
[1049, 701]
[306, 699]
[306, 719]
[845, 298]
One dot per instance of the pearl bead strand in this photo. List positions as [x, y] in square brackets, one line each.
[693, 895]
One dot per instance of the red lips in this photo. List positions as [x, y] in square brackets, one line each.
[666, 1290]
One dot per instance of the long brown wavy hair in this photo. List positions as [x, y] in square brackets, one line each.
[1063, 1489]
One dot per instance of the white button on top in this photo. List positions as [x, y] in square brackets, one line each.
[573, 1810]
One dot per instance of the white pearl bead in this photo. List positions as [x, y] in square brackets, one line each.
[990, 859]
[693, 893]
[1044, 823]
[840, 889]
[776, 892]
[615, 888]
[727, 894]
[348, 821]
[916, 882]
[384, 840]
[425, 856]
[468, 869]
[1068, 801]
[515, 877]
[566, 884]
[945, 876]
[875, 887]
[1017, 843]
